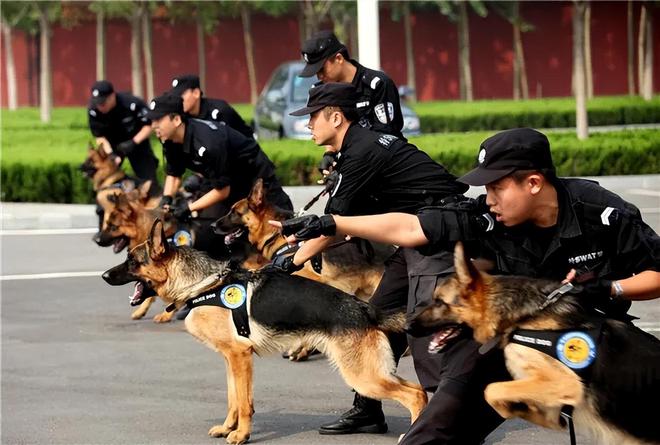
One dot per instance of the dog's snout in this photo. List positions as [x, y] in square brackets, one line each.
[106, 277]
[97, 238]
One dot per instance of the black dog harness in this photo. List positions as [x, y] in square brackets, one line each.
[230, 296]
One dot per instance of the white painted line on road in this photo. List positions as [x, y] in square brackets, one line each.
[23, 232]
[47, 276]
[644, 192]
[652, 326]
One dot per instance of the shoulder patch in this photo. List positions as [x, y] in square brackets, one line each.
[92, 113]
[386, 140]
[609, 215]
[214, 113]
[374, 82]
[132, 106]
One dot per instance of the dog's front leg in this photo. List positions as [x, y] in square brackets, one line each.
[142, 309]
[240, 367]
[231, 421]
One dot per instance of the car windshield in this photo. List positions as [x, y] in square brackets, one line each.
[301, 86]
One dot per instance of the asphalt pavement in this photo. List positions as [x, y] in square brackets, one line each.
[77, 370]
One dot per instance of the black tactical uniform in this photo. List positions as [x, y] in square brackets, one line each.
[120, 124]
[378, 173]
[378, 102]
[225, 158]
[597, 233]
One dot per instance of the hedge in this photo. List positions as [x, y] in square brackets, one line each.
[614, 153]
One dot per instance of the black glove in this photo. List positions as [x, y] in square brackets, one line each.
[330, 180]
[125, 148]
[283, 263]
[181, 212]
[309, 227]
[166, 200]
[598, 294]
[327, 161]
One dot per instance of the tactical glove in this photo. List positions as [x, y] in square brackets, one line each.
[327, 161]
[166, 200]
[181, 212]
[598, 294]
[309, 227]
[125, 148]
[283, 263]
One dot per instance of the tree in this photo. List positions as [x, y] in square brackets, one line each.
[645, 53]
[588, 69]
[579, 76]
[13, 14]
[145, 18]
[100, 9]
[631, 50]
[402, 11]
[46, 13]
[457, 12]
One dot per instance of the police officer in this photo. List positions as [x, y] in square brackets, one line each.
[197, 106]
[376, 172]
[119, 122]
[230, 161]
[529, 223]
[378, 104]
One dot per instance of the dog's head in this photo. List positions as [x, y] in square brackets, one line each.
[98, 164]
[461, 299]
[147, 262]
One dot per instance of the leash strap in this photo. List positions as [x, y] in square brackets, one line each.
[567, 414]
[556, 294]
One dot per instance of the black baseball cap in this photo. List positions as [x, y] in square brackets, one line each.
[331, 94]
[183, 83]
[509, 151]
[163, 105]
[316, 50]
[100, 90]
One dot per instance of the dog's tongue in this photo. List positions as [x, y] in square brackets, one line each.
[229, 239]
[119, 244]
[136, 298]
[442, 338]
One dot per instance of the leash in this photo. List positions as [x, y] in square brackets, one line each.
[567, 414]
[329, 183]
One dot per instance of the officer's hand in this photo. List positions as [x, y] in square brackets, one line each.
[166, 200]
[330, 181]
[181, 212]
[125, 148]
[283, 263]
[327, 163]
[309, 227]
[598, 294]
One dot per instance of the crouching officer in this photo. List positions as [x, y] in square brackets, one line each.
[230, 161]
[531, 223]
[197, 106]
[119, 122]
[377, 172]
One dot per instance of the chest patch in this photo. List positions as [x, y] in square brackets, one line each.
[577, 350]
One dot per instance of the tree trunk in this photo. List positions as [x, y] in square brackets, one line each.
[410, 52]
[640, 48]
[520, 86]
[354, 36]
[45, 81]
[631, 50]
[201, 51]
[100, 45]
[581, 121]
[464, 53]
[136, 60]
[587, 51]
[249, 51]
[10, 67]
[146, 50]
[647, 86]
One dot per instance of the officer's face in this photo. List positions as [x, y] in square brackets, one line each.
[510, 201]
[322, 126]
[331, 70]
[108, 104]
[164, 127]
[190, 98]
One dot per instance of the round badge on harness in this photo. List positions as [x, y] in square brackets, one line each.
[233, 296]
[182, 238]
[577, 350]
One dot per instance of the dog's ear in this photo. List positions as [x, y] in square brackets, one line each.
[127, 185]
[157, 240]
[466, 271]
[101, 151]
[144, 190]
[256, 197]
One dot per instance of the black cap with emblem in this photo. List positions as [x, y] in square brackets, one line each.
[317, 50]
[331, 94]
[183, 83]
[164, 105]
[509, 151]
[100, 90]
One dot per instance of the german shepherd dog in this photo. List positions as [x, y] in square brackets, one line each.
[606, 370]
[281, 308]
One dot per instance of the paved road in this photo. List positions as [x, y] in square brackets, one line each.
[77, 370]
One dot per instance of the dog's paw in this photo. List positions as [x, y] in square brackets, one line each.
[138, 313]
[220, 431]
[163, 317]
[238, 437]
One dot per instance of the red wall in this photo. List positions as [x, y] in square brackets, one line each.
[548, 50]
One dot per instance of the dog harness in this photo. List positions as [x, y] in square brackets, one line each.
[230, 296]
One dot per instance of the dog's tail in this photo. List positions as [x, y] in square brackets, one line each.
[392, 322]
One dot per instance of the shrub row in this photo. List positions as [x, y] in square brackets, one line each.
[615, 153]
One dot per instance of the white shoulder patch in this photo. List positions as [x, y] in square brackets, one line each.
[92, 113]
[374, 82]
[132, 106]
[605, 216]
[214, 113]
[201, 151]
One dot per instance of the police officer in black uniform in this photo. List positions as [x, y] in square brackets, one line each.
[529, 223]
[200, 107]
[119, 122]
[230, 161]
[378, 104]
[376, 172]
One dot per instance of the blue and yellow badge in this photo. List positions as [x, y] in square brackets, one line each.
[233, 296]
[182, 238]
[577, 350]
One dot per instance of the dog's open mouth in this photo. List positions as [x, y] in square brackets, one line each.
[119, 244]
[137, 297]
[444, 337]
[229, 239]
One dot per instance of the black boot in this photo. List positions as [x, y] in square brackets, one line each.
[366, 416]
